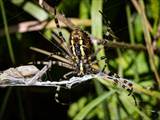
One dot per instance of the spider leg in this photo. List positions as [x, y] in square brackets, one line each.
[58, 89]
[62, 59]
[134, 99]
[90, 65]
[130, 91]
[63, 44]
[65, 76]
[56, 96]
[62, 40]
[59, 63]
[56, 38]
[129, 86]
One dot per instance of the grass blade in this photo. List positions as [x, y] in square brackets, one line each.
[10, 48]
[82, 114]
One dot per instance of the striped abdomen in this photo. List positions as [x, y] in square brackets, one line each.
[81, 48]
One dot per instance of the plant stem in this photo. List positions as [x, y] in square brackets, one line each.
[148, 42]
[7, 32]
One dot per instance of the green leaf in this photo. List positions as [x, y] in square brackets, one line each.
[154, 9]
[32, 9]
[83, 113]
[75, 107]
[138, 29]
[127, 101]
[84, 9]
[97, 27]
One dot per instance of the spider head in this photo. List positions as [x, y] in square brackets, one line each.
[77, 35]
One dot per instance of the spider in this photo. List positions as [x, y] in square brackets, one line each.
[79, 56]
[79, 52]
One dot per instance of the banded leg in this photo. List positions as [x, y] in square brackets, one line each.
[59, 63]
[52, 55]
[62, 40]
[58, 89]
[56, 97]
[124, 83]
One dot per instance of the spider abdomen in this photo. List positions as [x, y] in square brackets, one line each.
[80, 48]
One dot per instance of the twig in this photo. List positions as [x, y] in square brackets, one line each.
[122, 45]
[138, 8]
[148, 43]
[29, 26]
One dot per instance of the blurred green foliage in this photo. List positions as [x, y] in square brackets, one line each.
[106, 102]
